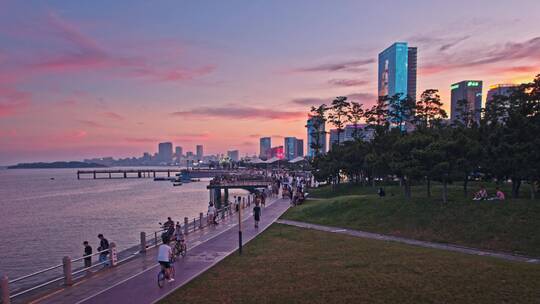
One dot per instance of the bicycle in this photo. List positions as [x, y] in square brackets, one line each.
[180, 248]
[161, 275]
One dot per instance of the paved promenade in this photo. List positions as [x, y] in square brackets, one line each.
[383, 237]
[136, 281]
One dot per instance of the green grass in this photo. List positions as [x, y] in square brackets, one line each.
[292, 265]
[511, 225]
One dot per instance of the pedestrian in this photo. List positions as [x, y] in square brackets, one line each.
[212, 213]
[87, 254]
[257, 215]
[103, 246]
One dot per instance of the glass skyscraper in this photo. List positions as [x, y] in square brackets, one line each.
[469, 90]
[397, 71]
[265, 146]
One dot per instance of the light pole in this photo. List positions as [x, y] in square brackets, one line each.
[240, 229]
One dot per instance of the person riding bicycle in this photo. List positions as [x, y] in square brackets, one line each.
[169, 227]
[179, 235]
[164, 257]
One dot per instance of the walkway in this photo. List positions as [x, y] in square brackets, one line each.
[382, 237]
[136, 281]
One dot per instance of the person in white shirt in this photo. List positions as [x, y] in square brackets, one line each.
[164, 257]
[212, 214]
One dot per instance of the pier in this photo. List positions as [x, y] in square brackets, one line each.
[150, 173]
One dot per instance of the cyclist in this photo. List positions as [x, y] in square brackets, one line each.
[179, 236]
[164, 257]
[169, 227]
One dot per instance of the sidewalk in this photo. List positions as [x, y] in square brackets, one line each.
[382, 237]
[136, 280]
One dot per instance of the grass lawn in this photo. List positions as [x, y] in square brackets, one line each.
[293, 265]
[510, 225]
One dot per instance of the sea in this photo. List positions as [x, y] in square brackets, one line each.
[46, 214]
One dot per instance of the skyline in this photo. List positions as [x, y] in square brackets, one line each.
[92, 80]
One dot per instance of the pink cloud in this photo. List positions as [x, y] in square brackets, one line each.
[85, 54]
[350, 66]
[113, 115]
[90, 124]
[486, 56]
[347, 82]
[13, 101]
[239, 112]
[191, 137]
[141, 140]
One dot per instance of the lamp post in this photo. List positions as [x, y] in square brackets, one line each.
[240, 229]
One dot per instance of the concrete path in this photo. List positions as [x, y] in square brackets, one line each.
[382, 237]
[136, 281]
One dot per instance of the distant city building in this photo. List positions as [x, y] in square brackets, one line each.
[146, 157]
[334, 137]
[200, 152]
[499, 90]
[277, 152]
[234, 155]
[265, 145]
[299, 147]
[291, 147]
[189, 155]
[165, 152]
[350, 132]
[469, 90]
[312, 133]
[178, 152]
[397, 71]
[412, 65]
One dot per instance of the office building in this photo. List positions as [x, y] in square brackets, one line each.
[291, 148]
[233, 155]
[398, 65]
[499, 90]
[200, 153]
[277, 152]
[316, 134]
[299, 147]
[165, 152]
[397, 71]
[178, 152]
[265, 144]
[469, 90]
[352, 132]
[412, 64]
[334, 137]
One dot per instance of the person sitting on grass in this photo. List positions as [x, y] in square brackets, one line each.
[499, 194]
[481, 194]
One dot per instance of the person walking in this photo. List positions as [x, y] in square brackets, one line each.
[212, 213]
[257, 214]
[87, 254]
[103, 246]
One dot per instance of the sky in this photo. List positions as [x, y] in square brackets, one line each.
[82, 79]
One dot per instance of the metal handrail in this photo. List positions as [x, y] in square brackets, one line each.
[36, 287]
[34, 273]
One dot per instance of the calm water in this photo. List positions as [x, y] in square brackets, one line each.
[42, 220]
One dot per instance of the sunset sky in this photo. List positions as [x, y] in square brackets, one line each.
[82, 79]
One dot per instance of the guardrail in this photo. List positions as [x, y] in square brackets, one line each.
[64, 272]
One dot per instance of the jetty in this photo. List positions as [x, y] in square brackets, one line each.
[151, 173]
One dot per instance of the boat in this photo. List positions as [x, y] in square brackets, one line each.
[177, 184]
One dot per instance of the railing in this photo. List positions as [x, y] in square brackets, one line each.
[63, 272]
